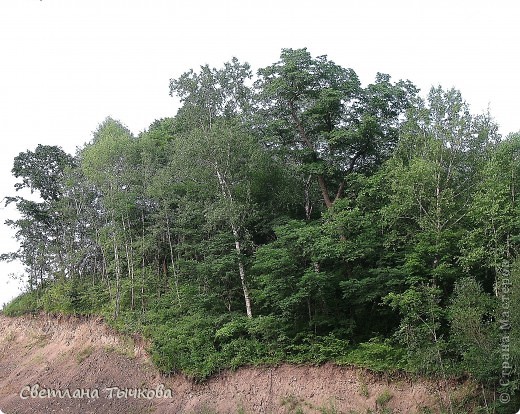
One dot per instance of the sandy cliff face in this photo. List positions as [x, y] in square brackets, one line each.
[71, 365]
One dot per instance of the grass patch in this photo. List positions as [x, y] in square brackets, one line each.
[383, 399]
[23, 304]
[363, 389]
[37, 359]
[9, 337]
[84, 354]
[205, 410]
[38, 341]
[330, 408]
[125, 347]
[292, 404]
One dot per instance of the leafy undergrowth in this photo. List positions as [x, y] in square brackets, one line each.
[199, 344]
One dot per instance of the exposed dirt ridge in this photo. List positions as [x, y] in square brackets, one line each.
[80, 356]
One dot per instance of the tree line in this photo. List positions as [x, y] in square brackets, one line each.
[291, 213]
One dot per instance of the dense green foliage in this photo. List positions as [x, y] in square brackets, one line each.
[297, 216]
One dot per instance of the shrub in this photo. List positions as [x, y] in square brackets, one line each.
[25, 303]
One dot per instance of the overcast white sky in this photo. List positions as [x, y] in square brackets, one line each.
[65, 65]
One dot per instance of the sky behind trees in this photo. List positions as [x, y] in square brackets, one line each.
[68, 65]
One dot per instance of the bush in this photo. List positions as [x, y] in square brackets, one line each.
[186, 345]
[318, 349]
[377, 355]
[58, 297]
[74, 296]
[25, 303]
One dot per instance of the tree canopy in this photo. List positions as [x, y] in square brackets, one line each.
[292, 215]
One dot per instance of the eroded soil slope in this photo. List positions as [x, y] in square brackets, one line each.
[84, 355]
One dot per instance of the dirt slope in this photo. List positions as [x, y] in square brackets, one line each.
[84, 357]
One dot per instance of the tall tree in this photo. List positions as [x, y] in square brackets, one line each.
[432, 178]
[213, 93]
[42, 227]
[216, 106]
[224, 160]
[109, 163]
[494, 210]
[320, 113]
[42, 170]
